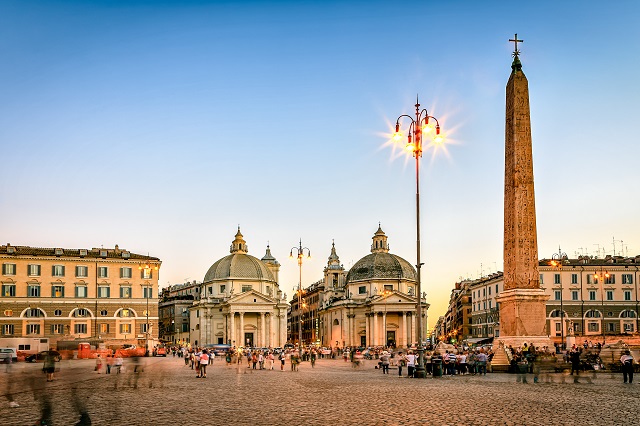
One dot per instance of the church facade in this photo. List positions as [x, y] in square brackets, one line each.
[240, 303]
[373, 304]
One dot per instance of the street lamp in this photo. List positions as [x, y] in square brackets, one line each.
[300, 254]
[419, 127]
[147, 267]
[604, 275]
[556, 262]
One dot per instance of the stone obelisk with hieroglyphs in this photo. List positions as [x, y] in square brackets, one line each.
[523, 302]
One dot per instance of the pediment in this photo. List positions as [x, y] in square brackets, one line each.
[252, 297]
[394, 298]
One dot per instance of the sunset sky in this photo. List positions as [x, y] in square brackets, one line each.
[161, 126]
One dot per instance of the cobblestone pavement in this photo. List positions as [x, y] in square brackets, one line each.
[332, 393]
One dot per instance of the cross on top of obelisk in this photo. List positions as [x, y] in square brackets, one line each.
[515, 40]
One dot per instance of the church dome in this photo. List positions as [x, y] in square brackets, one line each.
[381, 264]
[239, 265]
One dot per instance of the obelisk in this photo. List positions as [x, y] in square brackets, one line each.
[522, 302]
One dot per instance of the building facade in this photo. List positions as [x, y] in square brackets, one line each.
[589, 298]
[240, 301]
[107, 295]
[374, 305]
[173, 312]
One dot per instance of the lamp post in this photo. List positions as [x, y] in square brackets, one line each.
[300, 254]
[147, 267]
[556, 262]
[419, 127]
[604, 275]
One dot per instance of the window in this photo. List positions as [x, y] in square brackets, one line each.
[57, 270]
[185, 327]
[125, 292]
[388, 287]
[8, 313]
[57, 313]
[33, 290]
[592, 295]
[124, 313]
[410, 290]
[80, 328]
[81, 291]
[362, 289]
[556, 278]
[611, 279]
[147, 292]
[103, 272]
[609, 294]
[125, 328]
[558, 327]
[593, 326]
[574, 278]
[489, 304]
[57, 291]
[8, 290]
[80, 313]
[246, 288]
[33, 270]
[82, 271]
[489, 291]
[576, 327]
[7, 329]
[146, 273]
[590, 279]
[125, 272]
[574, 295]
[104, 313]
[611, 327]
[541, 279]
[627, 314]
[143, 328]
[33, 328]
[222, 288]
[628, 327]
[627, 295]
[57, 328]
[104, 328]
[210, 289]
[24, 347]
[8, 269]
[557, 295]
[104, 292]
[627, 279]
[592, 314]
[496, 288]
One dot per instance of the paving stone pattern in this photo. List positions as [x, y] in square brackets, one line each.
[332, 393]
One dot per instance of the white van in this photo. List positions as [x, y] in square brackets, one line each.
[8, 355]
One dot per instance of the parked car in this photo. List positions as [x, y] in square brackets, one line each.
[8, 355]
[161, 351]
[40, 356]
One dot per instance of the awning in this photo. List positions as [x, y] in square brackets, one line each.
[477, 340]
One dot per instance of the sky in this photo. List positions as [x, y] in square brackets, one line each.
[162, 126]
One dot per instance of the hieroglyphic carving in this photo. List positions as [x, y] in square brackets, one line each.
[520, 234]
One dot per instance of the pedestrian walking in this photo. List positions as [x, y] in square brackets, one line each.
[49, 366]
[402, 361]
[110, 362]
[411, 363]
[204, 361]
[282, 358]
[384, 362]
[627, 366]
[98, 367]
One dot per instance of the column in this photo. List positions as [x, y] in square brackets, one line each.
[241, 337]
[405, 339]
[374, 337]
[366, 329]
[413, 327]
[263, 325]
[272, 328]
[352, 336]
[232, 328]
[384, 326]
[283, 330]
